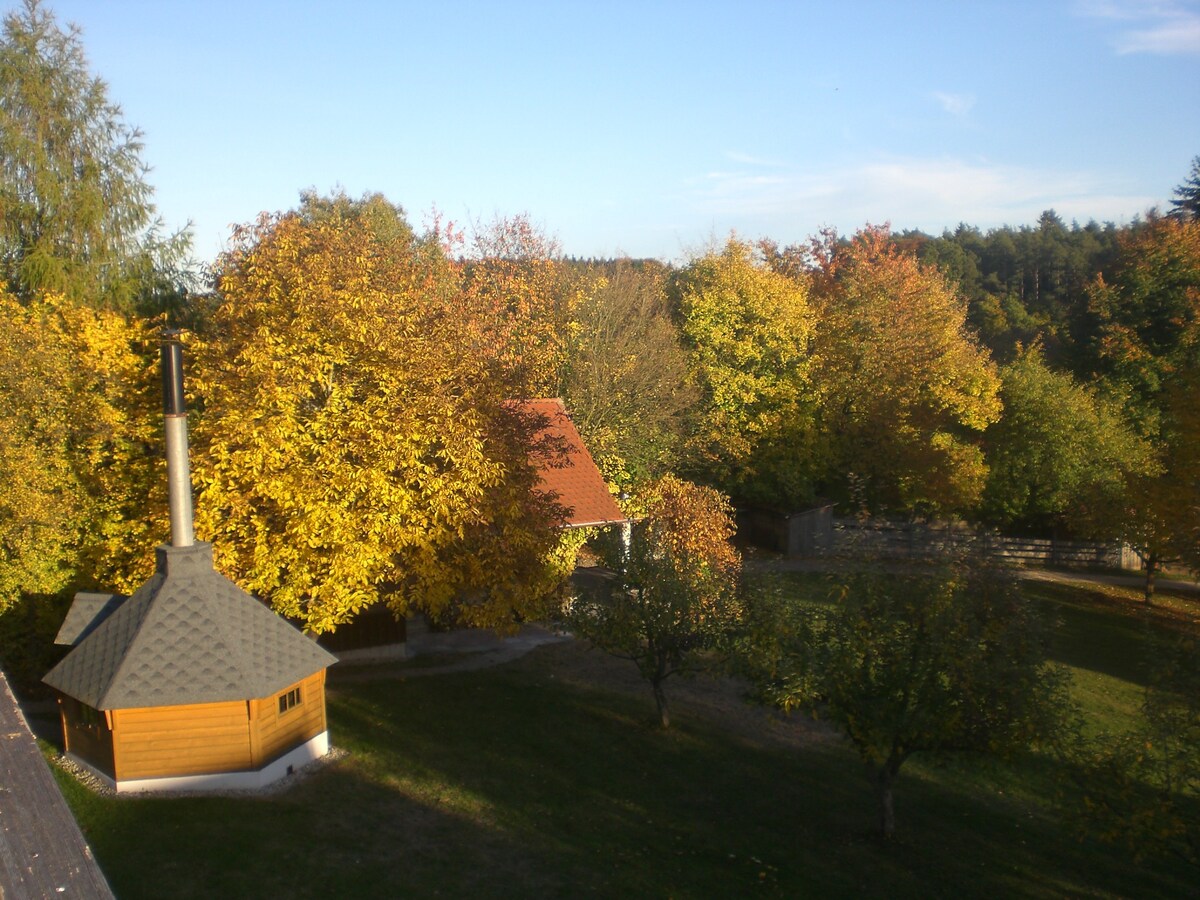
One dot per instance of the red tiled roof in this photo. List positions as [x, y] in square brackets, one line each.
[573, 476]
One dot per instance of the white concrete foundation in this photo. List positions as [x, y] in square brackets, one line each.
[290, 762]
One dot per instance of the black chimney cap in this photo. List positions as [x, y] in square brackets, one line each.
[172, 377]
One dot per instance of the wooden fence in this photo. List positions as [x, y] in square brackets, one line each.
[817, 532]
[904, 540]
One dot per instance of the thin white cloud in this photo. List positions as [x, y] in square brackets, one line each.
[747, 159]
[930, 194]
[1180, 36]
[1161, 27]
[955, 104]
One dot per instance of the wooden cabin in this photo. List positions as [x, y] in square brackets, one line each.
[190, 683]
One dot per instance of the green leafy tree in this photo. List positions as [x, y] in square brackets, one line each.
[1057, 442]
[905, 389]
[747, 329]
[948, 659]
[77, 213]
[1147, 314]
[1148, 352]
[625, 378]
[351, 448]
[676, 593]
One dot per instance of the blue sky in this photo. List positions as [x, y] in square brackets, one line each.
[652, 129]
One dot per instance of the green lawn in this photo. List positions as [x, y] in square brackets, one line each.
[510, 782]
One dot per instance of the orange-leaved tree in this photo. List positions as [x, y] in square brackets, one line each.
[677, 591]
[516, 305]
[350, 446]
[906, 390]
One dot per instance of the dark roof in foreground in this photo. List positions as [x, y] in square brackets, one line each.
[188, 635]
[573, 477]
[42, 851]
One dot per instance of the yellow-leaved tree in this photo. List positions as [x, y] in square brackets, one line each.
[349, 446]
[78, 449]
[84, 499]
[748, 330]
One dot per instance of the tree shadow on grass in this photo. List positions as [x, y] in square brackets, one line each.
[505, 783]
[1106, 634]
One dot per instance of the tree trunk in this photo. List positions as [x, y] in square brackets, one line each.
[660, 697]
[884, 779]
[1152, 565]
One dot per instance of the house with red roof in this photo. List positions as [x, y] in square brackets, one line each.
[566, 471]
[571, 475]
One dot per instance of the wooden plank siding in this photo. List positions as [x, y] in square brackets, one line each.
[279, 732]
[86, 734]
[208, 738]
[196, 739]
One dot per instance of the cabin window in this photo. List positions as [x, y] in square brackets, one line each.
[92, 719]
[289, 699]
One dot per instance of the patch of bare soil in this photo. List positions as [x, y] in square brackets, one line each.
[719, 700]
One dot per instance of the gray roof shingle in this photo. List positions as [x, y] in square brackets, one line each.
[188, 635]
[85, 616]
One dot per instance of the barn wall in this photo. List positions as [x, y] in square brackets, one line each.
[274, 733]
[181, 740]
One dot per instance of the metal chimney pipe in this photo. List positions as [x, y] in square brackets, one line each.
[179, 476]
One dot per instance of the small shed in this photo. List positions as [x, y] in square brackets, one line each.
[190, 683]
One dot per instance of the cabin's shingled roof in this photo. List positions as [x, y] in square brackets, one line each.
[571, 476]
[188, 635]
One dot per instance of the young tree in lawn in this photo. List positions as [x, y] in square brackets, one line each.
[906, 391]
[934, 660]
[677, 592]
[78, 214]
[350, 446]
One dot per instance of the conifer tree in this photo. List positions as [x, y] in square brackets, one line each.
[77, 216]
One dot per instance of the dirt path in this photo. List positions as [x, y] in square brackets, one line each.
[462, 650]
